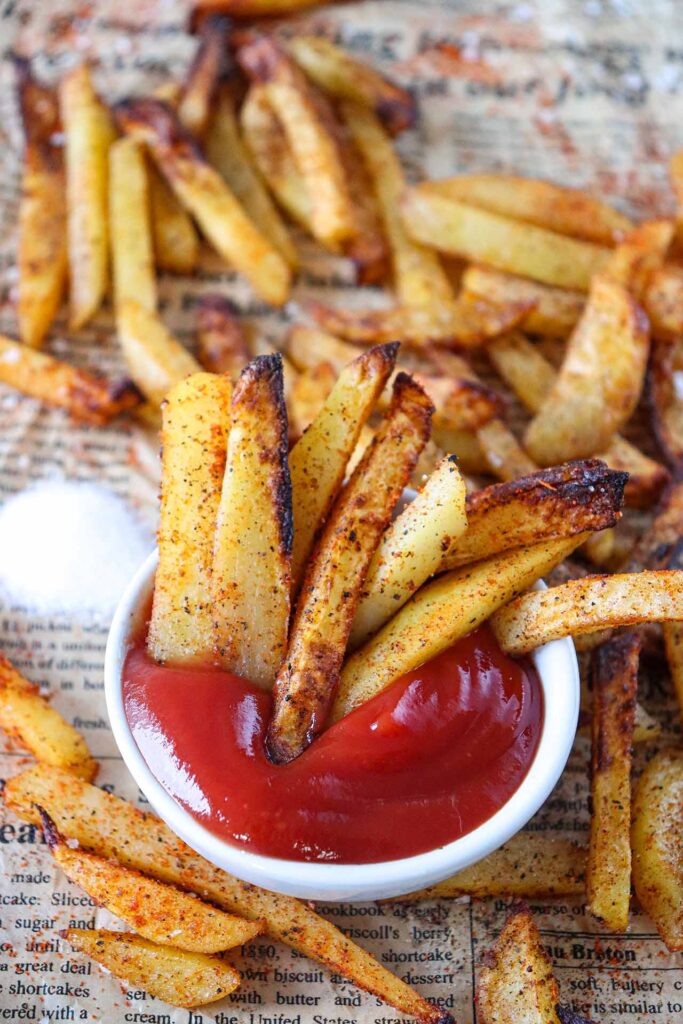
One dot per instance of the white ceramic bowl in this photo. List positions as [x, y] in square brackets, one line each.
[559, 675]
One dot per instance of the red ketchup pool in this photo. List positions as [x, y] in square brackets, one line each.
[420, 765]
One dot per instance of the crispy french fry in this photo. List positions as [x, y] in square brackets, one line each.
[155, 359]
[174, 975]
[132, 250]
[439, 614]
[556, 502]
[113, 828]
[199, 88]
[614, 670]
[500, 242]
[42, 254]
[516, 982]
[176, 246]
[222, 346]
[555, 311]
[251, 574]
[663, 302]
[158, 912]
[333, 582]
[657, 841]
[205, 195]
[89, 133]
[666, 403]
[308, 395]
[87, 398]
[308, 346]
[411, 549]
[27, 717]
[193, 452]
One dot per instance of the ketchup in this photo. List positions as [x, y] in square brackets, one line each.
[421, 764]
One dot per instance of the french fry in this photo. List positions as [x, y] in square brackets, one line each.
[308, 346]
[174, 975]
[88, 132]
[554, 313]
[193, 452]
[639, 255]
[254, 8]
[155, 359]
[614, 670]
[504, 456]
[599, 549]
[666, 404]
[113, 828]
[557, 502]
[158, 912]
[333, 582]
[87, 397]
[582, 606]
[251, 574]
[42, 255]
[308, 395]
[176, 246]
[207, 67]
[567, 211]
[368, 247]
[222, 346]
[132, 248]
[663, 302]
[411, 550]
[439, 614]
[27, 717]
[205, 195]
[500, 242]
[516, 982]
[657, 841]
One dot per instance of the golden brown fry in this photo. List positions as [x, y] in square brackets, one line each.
[176, 246]
[439, 614]
[222, 346]
[27, 717]
[132, 251]
[505, 457]
[666, 400]
[308, 346]
[251, 574]
[555, 312]
[89, 133]
[156, 360]
[205, 195]
[368, 247]
[599, 549]
[614, 670]
[209, 63]
[639, 255]
[663, 302]
[308, 395]
[193, 451]
[174, 975]
[657, 841]
[333, 582]
[254, 8]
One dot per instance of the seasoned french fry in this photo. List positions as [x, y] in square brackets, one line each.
[500, 242]
[42, 255]
[113, 828]
[308, 395]
[155, 359]
[657, 841]
[193, 452]
[439, 614]
[332, 585]
[132, 251]
[666, 403]
[203, 192]
[87, 397]
[158, 912]
[221, 343]
[174, 975]
[556, 502]
[176, 246]
[411, 549]
[308, 346]
[555, 311]
[27, 717]
[639, 255]
[89, 133]
[199, 88]
[614, 670]
[581, 606]
[250, 580]
[663, 302]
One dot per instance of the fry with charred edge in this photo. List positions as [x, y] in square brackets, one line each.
[207, 67]
[411, 549]
[599, 383]
[27, 717]
[87, 398]
[666, 405]
[529, 866]
[251, 574]
[332, 585]
[582, 606]
[516, 981]
[226, 151]
[556, 502]
[318, 461]
[113, 828]
[42, 257]
[176, 246]
[309, 393]
[314, 149]
[439, 614]
[173, 975]
[222, 346]
[614, 671]
[663, 302]
[657, 842]
[132, 250]
[155, 359]
[205, 195]
[88, 134]
[158, 912]
[193, 450]
[555, 311]
[500, 242]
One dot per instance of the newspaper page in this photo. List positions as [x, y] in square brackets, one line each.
[586, 93]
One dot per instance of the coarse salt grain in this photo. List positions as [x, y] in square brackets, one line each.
[69, 548]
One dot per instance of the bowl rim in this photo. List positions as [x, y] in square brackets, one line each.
[558, 672]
